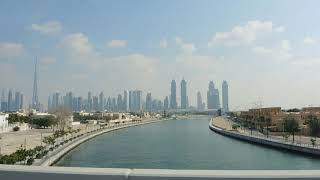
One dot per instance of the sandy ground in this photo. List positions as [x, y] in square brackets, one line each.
[12, 141]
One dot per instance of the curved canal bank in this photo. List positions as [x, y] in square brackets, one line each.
[54, 156]
[180, 144]
[264, 141]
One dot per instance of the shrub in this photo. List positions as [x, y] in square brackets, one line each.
[39, 156]
[16, 128]
[30, 161]
[235, 126]
[313, 141]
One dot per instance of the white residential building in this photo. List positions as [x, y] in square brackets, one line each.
[4, 125]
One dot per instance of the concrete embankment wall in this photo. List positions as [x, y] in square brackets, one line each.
[55, 156]
[266, 142]
[8, 172]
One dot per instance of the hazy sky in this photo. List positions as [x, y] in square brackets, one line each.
[268, 51]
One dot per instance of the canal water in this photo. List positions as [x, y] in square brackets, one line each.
[180, 144]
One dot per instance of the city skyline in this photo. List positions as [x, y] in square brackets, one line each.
[264, 48]
[140, 100]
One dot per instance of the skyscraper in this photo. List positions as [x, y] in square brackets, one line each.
[50, 104]
[166, 103]
[55, 100]
[79, 104]
[109, 104]
[10, 101]
[148, 102]
[101, 101]
[113, 105]
[138, 100]
[126, 101]
[199, 101]
[69, 100]
[135, 100]
[21, 101]
[173, 95]
[131, 101]
[119, 102]
[35, 101]
[95, 103]
[4, 102]
[89, 102]
[184, 97]
[225, 96]
[213, 101]
[17, 101]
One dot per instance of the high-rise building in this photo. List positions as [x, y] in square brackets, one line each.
[4, 101]
[173, 95]
[166, 103]
[95, 103]
[17, 102]
[113, 105]
[55, 100]
[10, 101]
[35, 101]
[184, 97]
[89, 102]
[69, 100]
[21, 101]
[213, 101]
[74, 104]
[225, 96]
[119, 102]
[79, 104]
[130, 101]
[135, 100]
[148, 102]
[156, 105]
[109, 104]
[50, 102]
[101, 102]
[126, 101]
[199, 101]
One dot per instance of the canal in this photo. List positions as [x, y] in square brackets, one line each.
[180, 144]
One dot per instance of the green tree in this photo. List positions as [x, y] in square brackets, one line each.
[49, 140]
[314, 125]
[291, 125]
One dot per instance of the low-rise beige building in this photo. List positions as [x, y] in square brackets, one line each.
[274, 117]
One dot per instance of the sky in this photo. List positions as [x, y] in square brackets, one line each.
[267, 50]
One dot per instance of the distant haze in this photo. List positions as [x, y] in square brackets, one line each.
[267, 51]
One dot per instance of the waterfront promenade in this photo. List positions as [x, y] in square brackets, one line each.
[303, 144]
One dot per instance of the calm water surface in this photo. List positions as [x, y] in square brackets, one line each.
[180, 144]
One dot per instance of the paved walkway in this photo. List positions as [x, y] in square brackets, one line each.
[226, 124]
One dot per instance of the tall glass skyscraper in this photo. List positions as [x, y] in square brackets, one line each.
[184, 97]
[213, 101]
[166, 103]
[173, 96]
[199, 101]
[35, 101]
[126, 101]
[148, 102]
[225, 96]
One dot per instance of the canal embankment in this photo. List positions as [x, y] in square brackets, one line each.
[224, 127]
[57, 154]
